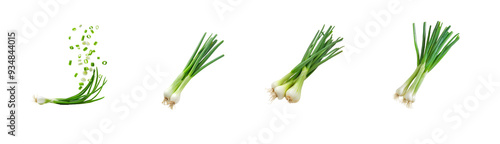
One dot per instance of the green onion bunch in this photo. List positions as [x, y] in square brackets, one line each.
[319, 51]
[435, 44]
[86, 95]
[196, 63]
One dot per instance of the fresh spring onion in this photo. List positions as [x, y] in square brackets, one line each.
[319, 51]
[196, 63]
[434, 46]
[94, 87]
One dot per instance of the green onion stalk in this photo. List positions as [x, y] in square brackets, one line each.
[319, 51]
[86, 95]
[196, 63]
[435, 44]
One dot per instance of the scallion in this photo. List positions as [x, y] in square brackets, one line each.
[196, 63]
[319, 51]
[94, 87]
[434, 46]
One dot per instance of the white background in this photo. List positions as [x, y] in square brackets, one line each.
[347, 100]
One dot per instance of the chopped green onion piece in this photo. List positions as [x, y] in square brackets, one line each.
[92, 64]
[76, 74]
[80, 26]
[86, 61]
[79, 55]
[70, 62]
[74, 29]
[83, 37]
[95, 43]
[85, 49]
[98, 57]
[97, 27]
[69, 38]
[71, 47]
[77, 45]
[104, 62]
[88, 36]
[83, 79]
[79, 88]
[86, 68]
[85, 31]
[92, 31]
[81, 83]
[91, 27]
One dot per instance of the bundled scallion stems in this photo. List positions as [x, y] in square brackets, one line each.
[319, 51]
[434, 46]
[93, 88]
[196, 63]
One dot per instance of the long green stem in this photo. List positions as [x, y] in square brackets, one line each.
[411, 79]
[183, 84]
[419, 83]
[417, 79]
